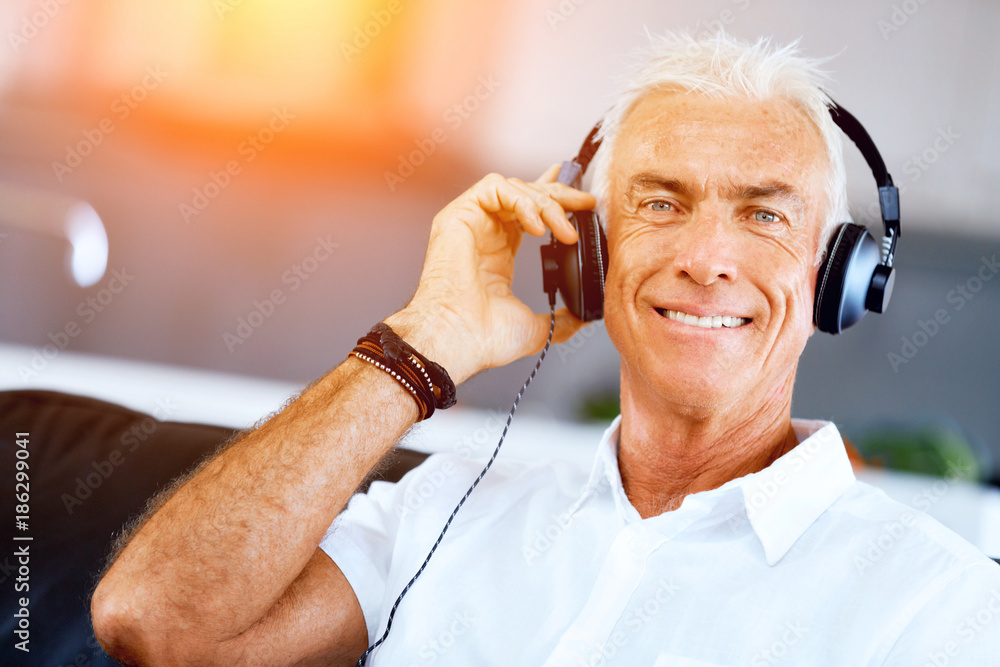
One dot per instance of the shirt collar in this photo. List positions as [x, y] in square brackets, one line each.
[787, 497]
[781, 501]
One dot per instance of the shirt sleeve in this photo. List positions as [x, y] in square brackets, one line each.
[958, 625]
[361, 542]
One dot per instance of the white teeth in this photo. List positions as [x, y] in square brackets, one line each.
[712, 322]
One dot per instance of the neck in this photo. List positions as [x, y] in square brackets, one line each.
[667, 451]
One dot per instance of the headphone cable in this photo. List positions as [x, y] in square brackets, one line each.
[513, 408]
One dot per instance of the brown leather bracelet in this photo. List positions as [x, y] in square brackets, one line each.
[397, 349]
[425, 404]
[429, 383]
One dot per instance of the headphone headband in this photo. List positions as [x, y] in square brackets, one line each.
[888, 194]
[571, 170]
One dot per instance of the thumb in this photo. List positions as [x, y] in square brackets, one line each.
[567, 324]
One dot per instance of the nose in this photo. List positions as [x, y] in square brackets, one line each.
[705, 249]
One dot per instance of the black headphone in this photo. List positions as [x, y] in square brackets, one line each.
[855, 277]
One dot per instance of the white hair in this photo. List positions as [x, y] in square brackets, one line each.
[719, 67]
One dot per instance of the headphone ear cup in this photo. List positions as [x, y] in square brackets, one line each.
[844, 280]
[592, 250]
[577, 270]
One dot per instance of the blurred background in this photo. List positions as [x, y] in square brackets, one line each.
[260, 176]
[204, 203]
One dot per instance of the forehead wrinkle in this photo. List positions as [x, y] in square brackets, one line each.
[651, 140]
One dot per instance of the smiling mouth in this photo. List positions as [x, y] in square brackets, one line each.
[710, 322]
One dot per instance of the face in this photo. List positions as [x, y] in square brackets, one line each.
[714, 215]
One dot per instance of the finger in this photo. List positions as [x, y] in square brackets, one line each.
[555, 199]
[550, 175]
[533, 208]
[569, 198]
[527, 210]
[531, 204]
[552, 214]
[508, 203]
[572, 199]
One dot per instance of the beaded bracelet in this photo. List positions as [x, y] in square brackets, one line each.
[424, 403]
[429, 383]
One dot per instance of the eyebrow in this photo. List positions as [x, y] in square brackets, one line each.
[773, 190]
[769, 190]
[647, 181]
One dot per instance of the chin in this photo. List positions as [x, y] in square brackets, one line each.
[691, 384]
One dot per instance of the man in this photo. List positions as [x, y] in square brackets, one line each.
[712, 530]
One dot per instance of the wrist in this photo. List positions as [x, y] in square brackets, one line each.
[435, 339]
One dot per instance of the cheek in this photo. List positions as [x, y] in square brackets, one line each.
[617, 289]
[809, 300]
[797, 304]
[633, 255]
[805, 279]
[788, 265]
[629, 262]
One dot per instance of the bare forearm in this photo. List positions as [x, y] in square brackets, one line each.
[213, 569]
[222, 550]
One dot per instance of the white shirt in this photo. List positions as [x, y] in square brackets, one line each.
[798, 564]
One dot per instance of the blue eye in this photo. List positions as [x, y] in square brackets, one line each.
[765, 216]
[660, 206]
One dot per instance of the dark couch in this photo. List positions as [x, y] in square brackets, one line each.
[92, 466]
